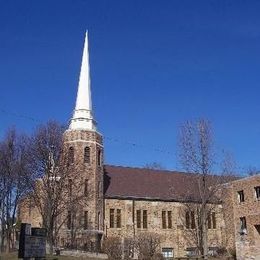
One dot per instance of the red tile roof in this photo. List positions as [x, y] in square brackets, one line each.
[141, 183]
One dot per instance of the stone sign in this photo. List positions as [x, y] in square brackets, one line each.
[34, 246]
[32, 242]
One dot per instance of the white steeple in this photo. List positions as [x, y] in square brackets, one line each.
[82, 117]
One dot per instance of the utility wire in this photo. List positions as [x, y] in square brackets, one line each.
[115, 140]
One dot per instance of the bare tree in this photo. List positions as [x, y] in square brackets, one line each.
[147, 246]
[197, 156]
[252, 170]
[13, 169]
[154, 166]
[112, 246]
[53, 187]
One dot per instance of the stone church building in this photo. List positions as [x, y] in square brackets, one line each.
[126, 202]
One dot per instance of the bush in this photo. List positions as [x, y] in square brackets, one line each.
[112, 246]
[147, 246]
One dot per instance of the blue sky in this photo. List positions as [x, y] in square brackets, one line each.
[154, 64]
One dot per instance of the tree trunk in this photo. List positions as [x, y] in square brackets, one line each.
[204, 234]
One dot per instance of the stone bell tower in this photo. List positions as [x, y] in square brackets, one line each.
[85, 152]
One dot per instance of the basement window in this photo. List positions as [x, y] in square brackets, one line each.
[167, 253]
[191, 251]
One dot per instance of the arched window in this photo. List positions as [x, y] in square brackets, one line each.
[87, 155]
[71, 155]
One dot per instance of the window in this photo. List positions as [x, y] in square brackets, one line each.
[209, 221]
[241, 196]
[87, 155]
[164, 219]
[214, 223]
[169, 219]
[115, 220]
[191, 251]
[99, 159]
[243, 225]
[190, 220]
[71, 156]
[118, 218]
[112, 217]
[98, 227]
[167, 252]
[99, 188]
[144, 218]
[187, 219]
[138, 218]
[213, 251]
[212, 220]
[86, 188]
[257, 192]
[70, 187]
[85, 220]
[69, 220]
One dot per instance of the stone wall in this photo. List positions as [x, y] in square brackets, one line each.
[176, 237]
[247, 242]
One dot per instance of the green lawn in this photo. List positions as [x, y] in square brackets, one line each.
[13, 256]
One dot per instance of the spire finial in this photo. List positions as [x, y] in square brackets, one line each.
[82, 117]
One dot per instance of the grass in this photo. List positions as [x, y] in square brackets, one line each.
[14, 256]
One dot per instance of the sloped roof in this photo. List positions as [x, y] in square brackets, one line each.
[141, 183]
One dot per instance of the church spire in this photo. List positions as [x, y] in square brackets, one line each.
[82, 117]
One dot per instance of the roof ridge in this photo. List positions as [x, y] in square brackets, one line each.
[147, 169]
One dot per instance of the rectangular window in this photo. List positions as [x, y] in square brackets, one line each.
[169, 219]
[187, 219]
[70, 187]
[144, 218]
[257, 192]
[69, 220]
[112, 218]
[214, 222]
[99, 188]
[213, 251]
[86, 188]
[99, 158]
[99, 221]
[191, 251]
[192, 216]
[85, 220]
[243, 225]
[209, 221]
[164, 219]
[87, 155]
[167, 253]
[118, 218]
[241, 196]
[138, 218]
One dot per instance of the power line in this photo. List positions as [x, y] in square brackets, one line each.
[19, 115]
[111, 139]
